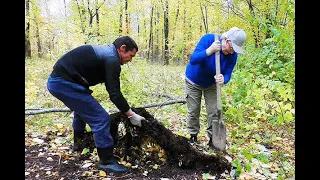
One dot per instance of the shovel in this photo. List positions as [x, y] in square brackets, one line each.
[218, 127]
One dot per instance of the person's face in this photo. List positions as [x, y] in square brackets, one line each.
[227, 47]
[126, 56]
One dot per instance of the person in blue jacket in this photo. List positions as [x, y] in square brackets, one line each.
[201, 77]
[89, 65]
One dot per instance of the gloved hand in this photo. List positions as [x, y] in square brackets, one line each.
[219, 79]
[136, 119]
[214, 47]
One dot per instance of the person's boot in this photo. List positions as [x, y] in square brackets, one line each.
[211, 146]
[78, 144]
[108, 162]
[193, 138]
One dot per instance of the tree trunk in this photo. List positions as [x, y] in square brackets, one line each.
[204, 15]
[120, 18]
[150, 37]
[40, 53]
[127, 16]
[97, 18]
[81, 17]
[156, 55]
[166, 34]
[27, 32]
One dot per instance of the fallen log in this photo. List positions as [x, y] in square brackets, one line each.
[34, 111]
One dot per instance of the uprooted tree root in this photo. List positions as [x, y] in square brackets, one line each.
[178, 151]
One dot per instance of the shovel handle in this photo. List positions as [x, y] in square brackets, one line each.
[216, 36]
[218, 72]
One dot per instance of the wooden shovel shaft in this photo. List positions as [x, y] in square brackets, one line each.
[217, 73]
[218, 127]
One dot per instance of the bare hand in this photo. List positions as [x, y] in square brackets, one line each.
[219, 79]
[214, 47]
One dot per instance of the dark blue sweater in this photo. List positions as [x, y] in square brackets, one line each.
[201, 68]
[89, 65]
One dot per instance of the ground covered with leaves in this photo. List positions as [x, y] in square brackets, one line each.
[150, 152]
[42, 163]
[156, 152]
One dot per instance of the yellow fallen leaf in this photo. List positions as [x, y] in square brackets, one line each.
[128, 164]
[102, 173]
[59, 125]
[155, 166]
[87, 173]
[123, 162]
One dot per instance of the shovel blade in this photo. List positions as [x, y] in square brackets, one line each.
[219, 131]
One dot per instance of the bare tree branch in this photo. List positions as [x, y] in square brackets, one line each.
[35, 111]
[169, 96]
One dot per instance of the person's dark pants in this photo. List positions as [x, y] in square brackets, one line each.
[87, 109]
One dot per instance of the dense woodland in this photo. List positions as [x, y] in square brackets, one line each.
[258, 103]
[165, 30]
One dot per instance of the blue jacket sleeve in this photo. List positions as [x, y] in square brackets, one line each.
[199, 54]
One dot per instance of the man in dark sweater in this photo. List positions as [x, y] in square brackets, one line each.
[86, 66]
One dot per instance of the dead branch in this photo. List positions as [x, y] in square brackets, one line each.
[169, 96]
[35, 111]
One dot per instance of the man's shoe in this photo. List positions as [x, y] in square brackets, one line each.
[211, 146]
[113, 166]
[193, 138]
[78, 143]
[108, 162]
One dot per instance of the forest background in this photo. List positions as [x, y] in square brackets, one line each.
[258, 103]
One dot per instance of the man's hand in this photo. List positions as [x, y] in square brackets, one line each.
[219, 79]
[214, 47]
[136, 119]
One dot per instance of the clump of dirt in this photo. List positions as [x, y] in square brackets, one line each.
[179, 152]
